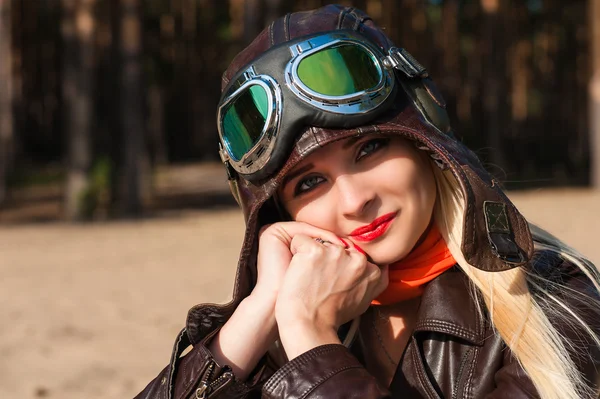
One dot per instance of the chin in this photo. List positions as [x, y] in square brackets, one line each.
[381, 258]
[390, 250]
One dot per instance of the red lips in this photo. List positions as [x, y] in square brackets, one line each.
[375, 229]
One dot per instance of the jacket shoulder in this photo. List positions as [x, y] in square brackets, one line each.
[554, 270]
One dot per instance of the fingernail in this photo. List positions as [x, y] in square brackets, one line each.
[344, 242]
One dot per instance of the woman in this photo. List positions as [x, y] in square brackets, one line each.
[380, 259]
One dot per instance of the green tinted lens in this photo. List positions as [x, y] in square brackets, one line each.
[244, 121]
[339, 70]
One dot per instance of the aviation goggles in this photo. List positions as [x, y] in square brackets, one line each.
[336, 80]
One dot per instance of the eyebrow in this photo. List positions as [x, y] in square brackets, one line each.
[292, 175]
[295, 173]
[351, 141]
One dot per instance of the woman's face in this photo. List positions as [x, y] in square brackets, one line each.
[378, 192]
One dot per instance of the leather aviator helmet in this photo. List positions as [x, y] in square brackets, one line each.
[496, 237]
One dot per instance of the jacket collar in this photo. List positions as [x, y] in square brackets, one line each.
[448, 306]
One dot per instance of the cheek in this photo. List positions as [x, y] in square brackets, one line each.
[425, 194]
[427, 178]
[317, 213]
[416, 185]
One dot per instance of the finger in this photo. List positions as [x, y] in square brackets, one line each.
[357, 248]
[344, 243]
[322, 241]
[264, 230]
[285, 231]
[354, 247]
[307, 244]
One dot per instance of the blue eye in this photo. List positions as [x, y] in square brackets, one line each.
[307, 184]
[370, 147]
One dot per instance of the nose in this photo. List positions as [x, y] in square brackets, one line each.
[355, 195]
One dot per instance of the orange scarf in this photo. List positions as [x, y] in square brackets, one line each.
[424, 263]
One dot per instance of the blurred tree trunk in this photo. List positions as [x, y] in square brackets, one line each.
[133, 169]
[6, 111]
[156, 125]
[594, 93]
[494, 79]
[252, 20]
[77, 28]
[449, 48]
[275, 9]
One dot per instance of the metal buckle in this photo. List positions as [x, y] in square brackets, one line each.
[231, 173]
[223, 154]
[401, 59]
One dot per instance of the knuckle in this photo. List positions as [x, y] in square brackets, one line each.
[358, 257]
[375, 274]
[359, 264]
[264, 229]
[337, 252]
[317, 250]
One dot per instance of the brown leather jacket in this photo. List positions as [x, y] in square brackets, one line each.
[453, 351]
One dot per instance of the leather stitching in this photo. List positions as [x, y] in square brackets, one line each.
[272, 33]
[486, 254]
[287, 366]
[349, 12]
[496, 217]
[286, 26]
[326, 377]
[298, 362]
[423, 379]
[357, 20]
[463, 363]
[468, 386]
[342, 17]
[175, 362]
[451, 328]
[192, 381]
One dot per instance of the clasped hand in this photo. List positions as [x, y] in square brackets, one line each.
[315, 287]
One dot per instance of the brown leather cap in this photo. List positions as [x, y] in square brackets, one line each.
[496, 236]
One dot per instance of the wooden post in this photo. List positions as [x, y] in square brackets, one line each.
[494, 80]
[78, 27]
[134, 168]
[594, 93]
[6, 114]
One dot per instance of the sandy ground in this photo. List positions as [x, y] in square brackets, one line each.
[91, 311]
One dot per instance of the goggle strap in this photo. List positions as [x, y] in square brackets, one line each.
[434, 113]
[231, 173]
[403, 61]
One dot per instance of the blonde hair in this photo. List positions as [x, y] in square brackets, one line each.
[522, 317]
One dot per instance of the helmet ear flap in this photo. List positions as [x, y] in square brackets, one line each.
[429, 101]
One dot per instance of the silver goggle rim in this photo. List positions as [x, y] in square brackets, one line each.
[253, 160]
[351, 104]
[356, 103]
